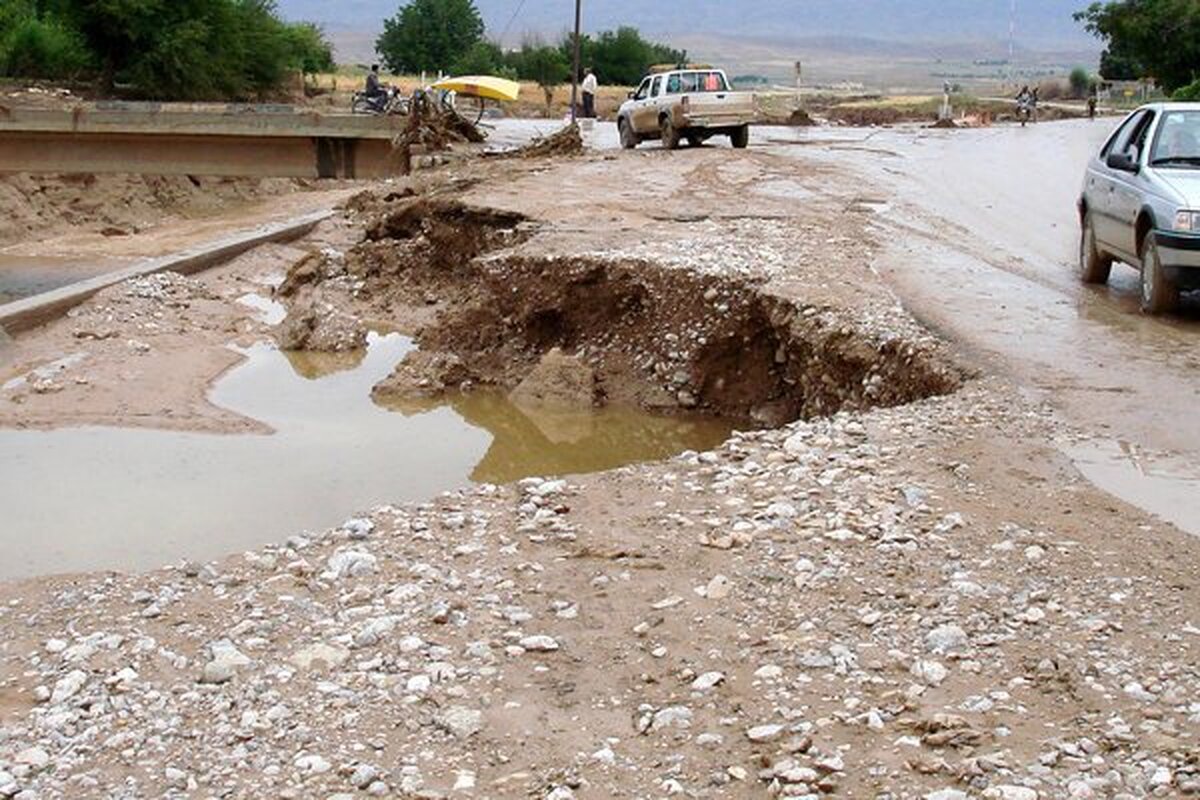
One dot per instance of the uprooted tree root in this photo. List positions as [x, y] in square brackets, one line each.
[660, 337]
[431, 127]
[565, 142]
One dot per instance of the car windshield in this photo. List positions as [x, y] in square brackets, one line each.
[1178, 140]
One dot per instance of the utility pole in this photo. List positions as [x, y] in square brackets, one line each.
[575, 66]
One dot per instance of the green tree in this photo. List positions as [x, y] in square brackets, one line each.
[39, 45]
[1148, 38]
[544, 65]
[429, 35]
[309, 49]
[1189, 93]
[622, 56]
[484, 58]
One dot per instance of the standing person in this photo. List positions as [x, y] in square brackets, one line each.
[590, 85]
[1092, 106]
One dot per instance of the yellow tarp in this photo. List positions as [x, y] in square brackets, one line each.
[484, 86]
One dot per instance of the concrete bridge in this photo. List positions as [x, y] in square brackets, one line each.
[235, 140]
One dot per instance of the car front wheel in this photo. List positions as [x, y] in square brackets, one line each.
[1159, 295]
[1094, 267]
[740, 138]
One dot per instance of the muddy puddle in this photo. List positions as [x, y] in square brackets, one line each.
[23, 276]
[100, 498]
[1166, 486]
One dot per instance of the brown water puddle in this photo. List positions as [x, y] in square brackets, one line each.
[104, 498]
[1165, 485]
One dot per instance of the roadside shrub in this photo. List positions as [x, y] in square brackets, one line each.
[43, 48]
[1052, 90]
[1189, 93]
[1081, 82]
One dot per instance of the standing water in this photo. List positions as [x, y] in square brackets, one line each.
[109, 498]
[24, 276]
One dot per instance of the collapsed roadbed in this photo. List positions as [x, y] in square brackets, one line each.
[640, 332]
[892, 588]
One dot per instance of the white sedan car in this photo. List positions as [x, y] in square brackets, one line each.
[1141, 204]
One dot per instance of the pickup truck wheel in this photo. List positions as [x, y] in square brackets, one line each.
[1093, 266]
[1159, 295]
[740, 138]
[670, 134]
[628, 139]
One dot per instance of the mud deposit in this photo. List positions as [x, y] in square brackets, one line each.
[175, 496]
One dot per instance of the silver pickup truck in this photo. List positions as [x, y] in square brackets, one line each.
[1141, 204]
[690, 105]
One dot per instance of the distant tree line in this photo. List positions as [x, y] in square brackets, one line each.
[1157, 39]
[160, 49]
[448, 36]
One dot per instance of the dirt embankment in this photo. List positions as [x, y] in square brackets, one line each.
[42, 206]
[657, 337]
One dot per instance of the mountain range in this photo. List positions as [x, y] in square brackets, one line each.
[1040, 24]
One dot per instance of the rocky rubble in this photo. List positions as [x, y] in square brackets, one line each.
[806, 612]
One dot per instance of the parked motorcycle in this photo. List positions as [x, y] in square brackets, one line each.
[391, 101]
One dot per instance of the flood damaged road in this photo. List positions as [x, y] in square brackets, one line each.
[895, 586]
[982, 237]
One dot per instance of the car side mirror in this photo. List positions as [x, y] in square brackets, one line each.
[1122, 162]
[630, 95]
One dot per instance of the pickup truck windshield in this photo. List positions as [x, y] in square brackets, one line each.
[687, 82]
[1178, 141]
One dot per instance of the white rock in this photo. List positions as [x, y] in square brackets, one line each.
[1007, 792]
[363, 776]
[539, 644]
[374, 631]
[226, 661]
[795, 774]
[461, 722]
[764, 733]
[351, 564]
[930, 673]
[718, 588]
[947, 794]
[320, 656]
[672, 717]
[605, 756]
[34, 758]
[68, 686]
[312, 764]
[946, 639]
[358, 528]
[708, 681]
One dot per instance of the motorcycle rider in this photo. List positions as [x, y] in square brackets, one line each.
[374, 90]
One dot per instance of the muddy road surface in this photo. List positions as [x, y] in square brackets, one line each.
[982, 241]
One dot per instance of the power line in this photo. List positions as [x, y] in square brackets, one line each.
[511, 20]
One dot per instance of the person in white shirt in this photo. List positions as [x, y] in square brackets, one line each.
[590, 85]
